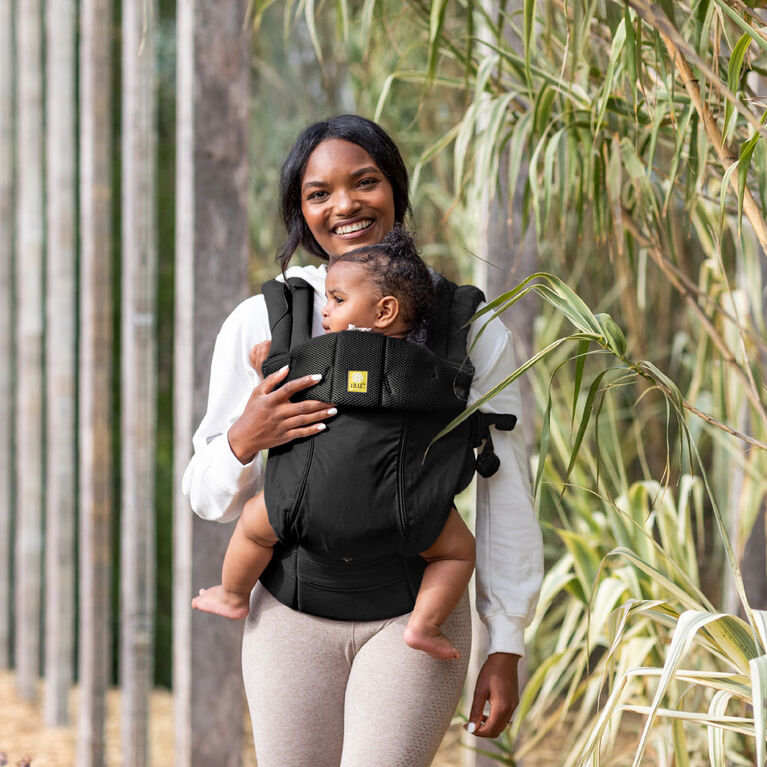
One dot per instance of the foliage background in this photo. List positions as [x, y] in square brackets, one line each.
[602, 118]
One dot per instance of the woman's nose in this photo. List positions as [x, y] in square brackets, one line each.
[346, 201]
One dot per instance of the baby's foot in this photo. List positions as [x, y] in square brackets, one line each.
[430, 640]
[222, 602]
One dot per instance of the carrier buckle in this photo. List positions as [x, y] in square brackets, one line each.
[487, 462]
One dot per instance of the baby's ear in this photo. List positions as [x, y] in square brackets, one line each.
[387, 311]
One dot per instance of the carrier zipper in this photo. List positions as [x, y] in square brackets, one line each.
[301, 486]
[401, 503]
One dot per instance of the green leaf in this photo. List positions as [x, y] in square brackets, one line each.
[615, 340]
[436, 20]
[738, 18]
[760, 163]
[542, 109]
[593, 389]
[613, 67]
[585, 560]
[631, 53]
[758, 668]
[368, 8]
[733, 81]
[681, 145]
[723, 194]
[580, 362]
[528, 34]
[716, 710]
[311, 24]
[744, 162]
[690, 622]
[543, 451]
[681, 754]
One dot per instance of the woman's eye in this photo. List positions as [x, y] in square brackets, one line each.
[368, 181]
[318, 195]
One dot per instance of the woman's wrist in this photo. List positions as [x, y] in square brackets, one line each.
[241, 450]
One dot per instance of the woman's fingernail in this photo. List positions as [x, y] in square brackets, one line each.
[320, 426]
[333, 411]
[316, 377]
[471, 727]
[283, 369]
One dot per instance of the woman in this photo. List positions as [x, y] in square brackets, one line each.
[326, 692]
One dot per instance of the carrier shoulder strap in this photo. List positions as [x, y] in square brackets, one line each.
[452, 308]
[290, 306]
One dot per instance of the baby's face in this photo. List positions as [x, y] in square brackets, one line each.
[352, 298]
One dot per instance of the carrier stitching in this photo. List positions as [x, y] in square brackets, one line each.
[401, 507]
[301, 487]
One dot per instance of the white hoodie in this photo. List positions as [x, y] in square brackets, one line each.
[509, 547]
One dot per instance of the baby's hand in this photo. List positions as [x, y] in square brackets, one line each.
[258, 355]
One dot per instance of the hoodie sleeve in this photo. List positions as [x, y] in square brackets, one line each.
[509, 541]
[215, 481]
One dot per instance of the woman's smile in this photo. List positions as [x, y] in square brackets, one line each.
[346, 200]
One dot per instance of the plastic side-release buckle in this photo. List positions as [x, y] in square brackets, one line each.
[487, 462]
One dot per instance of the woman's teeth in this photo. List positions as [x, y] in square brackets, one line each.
[350, 228]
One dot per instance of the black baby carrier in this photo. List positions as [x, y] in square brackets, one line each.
[354, 505]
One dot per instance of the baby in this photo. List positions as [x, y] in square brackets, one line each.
[363, 292]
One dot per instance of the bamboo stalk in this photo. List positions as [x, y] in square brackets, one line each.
[29, 340]
[61, 361]
[6, 323]
[95, 398]
[139, 277]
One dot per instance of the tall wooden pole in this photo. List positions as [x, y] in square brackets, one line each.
[95, 397]
[211, 277]
[139, 351]
[6, 323]
[61, 360]
[29, 345]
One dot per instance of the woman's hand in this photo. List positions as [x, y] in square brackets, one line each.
[270, 418]
[497, 683]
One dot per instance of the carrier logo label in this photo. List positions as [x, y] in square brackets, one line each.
[358, 381]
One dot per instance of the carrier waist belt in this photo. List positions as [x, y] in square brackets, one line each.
[358, 590]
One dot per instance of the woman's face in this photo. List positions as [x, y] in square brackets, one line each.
[346, 200]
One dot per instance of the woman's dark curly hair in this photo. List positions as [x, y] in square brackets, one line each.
[397, 270]
[357, 130]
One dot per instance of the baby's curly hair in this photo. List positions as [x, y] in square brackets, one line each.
[397, 270]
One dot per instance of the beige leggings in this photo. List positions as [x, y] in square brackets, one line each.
[331, 693]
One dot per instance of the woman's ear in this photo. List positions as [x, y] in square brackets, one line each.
[387, 311]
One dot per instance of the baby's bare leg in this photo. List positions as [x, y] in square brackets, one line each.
[451, 562]
[248, 554]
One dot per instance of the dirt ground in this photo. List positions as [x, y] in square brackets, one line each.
[23, 734]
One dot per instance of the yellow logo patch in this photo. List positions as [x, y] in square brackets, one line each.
[358, 381]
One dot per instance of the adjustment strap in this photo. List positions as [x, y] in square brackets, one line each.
[439, 317]
[464, 304]
[290, 306]
[278, 304]
[487, 462]
[303, 309]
